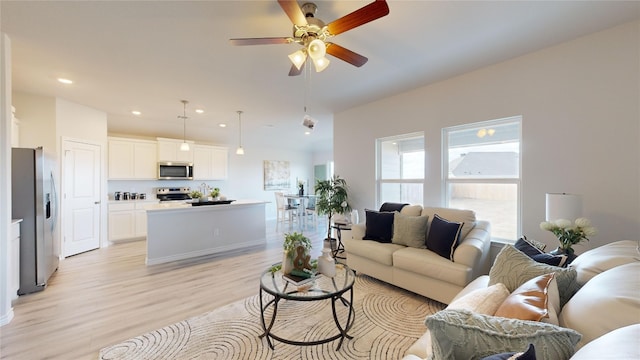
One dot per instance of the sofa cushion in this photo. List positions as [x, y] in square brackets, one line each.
[618, 344]
[529, 301]
[409, 230]
[379, 226]
[603, 258]
[513, 268]
[482, 301]
[468, 217]
[373, 250]
[461, 334]
[427, 263]
[608, 301]
[444, 236]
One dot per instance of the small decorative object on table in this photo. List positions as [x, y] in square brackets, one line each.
[195, 195]
[215, 193]
[326, 264]
[300, 187]
[296, 249]
[569, 234]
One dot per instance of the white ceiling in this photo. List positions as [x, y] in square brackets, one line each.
[148, 55]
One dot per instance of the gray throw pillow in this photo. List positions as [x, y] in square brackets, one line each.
[513, 268]
[462, 334]
[409, 230]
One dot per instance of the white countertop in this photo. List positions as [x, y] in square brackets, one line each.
[184, 206]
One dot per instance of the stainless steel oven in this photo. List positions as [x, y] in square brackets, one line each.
[175, 171]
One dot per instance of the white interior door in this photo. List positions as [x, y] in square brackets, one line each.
[81, 197]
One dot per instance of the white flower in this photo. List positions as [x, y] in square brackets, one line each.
[545, 225]
[583, 222]
[589, 231]
[563, 223]
[344, 204]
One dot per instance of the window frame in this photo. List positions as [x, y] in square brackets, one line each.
[380, 181]
[517, 181]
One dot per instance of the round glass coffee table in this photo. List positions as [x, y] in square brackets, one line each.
[321, 288]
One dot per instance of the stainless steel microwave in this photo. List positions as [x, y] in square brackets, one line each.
[175, 170]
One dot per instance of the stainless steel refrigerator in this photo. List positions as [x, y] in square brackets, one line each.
[34, 201]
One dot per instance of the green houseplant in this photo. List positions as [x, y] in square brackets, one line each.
[331, 198]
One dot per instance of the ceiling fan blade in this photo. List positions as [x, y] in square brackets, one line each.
[293, 11]
[373, 11]
[294, 71]
[261, 41]
[346, 55]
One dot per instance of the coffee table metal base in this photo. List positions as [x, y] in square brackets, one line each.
[334, 298]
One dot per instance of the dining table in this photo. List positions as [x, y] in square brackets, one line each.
[303, 201]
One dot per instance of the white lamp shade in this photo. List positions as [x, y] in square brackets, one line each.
[563, 206]
[317, 49]
[298, 58]
[321, 63]
[240, 151]
[184, 146]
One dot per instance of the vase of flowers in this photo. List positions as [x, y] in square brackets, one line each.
[568, 233]
[300, 187]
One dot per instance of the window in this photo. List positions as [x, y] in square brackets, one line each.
[482, 172]
[400, 169]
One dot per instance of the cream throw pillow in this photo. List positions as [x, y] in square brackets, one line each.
[482, 301]
[409, 230]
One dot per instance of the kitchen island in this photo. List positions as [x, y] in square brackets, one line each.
[185, 231]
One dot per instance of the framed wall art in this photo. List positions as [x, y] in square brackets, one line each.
[276, 175]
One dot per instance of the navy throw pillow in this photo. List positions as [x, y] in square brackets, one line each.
[443, 237]
[378, 226]
[536, 254]
[388, 206]
[530, 354]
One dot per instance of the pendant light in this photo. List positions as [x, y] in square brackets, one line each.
[184, 146]
[240, 150]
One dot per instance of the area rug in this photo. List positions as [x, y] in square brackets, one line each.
[388, 320]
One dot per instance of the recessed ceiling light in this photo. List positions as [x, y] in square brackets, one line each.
[65, 81]
[307, 132]
[222, 125]
[199, 111]
[136, 112]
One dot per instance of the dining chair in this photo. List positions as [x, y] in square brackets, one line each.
[284, 211]
[310, 210]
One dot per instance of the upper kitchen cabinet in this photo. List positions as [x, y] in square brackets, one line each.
[209, 162]
[169, 150]
[132, 159]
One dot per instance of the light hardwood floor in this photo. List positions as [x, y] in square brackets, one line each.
[108, 295]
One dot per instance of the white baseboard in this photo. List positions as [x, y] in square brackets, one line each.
[6, 318]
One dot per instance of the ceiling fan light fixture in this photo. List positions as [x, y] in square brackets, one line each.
[321, 64]
[317, 49]
[298, 58]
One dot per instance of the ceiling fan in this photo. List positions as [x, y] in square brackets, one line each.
[312, 34]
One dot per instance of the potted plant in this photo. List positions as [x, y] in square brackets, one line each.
[215, 193]
[293, 258]
[331, 199]
[195, 195]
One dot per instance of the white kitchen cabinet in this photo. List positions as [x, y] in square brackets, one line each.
[209, 162]
[169, 150]
[128, 220]
[132, 159]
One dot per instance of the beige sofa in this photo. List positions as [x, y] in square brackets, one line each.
[421, 270]
[604, 313]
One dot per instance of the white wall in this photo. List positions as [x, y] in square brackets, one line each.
[6, 311]
[580, 131]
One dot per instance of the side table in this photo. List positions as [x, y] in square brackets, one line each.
[339, 246]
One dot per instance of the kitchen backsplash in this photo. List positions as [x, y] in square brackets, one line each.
[148, 187]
